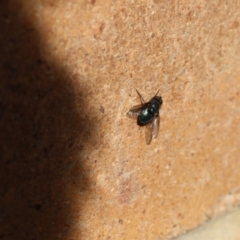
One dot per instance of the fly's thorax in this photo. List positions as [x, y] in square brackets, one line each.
[155, 104]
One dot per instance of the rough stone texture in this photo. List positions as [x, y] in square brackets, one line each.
[222, 228]
[72, 165]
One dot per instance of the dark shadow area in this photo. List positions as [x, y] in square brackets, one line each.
[42, 136]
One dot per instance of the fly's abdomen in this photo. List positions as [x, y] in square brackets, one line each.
[145, 117]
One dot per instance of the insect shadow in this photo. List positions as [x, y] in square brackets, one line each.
[147, 114]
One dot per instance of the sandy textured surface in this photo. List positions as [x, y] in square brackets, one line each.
[222, 228]
[72, 165]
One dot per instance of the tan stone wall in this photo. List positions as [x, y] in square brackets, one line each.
[73, 166]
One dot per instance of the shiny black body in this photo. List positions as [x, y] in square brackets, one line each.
[149, 111]
[147, 114]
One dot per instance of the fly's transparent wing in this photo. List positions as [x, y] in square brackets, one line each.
[135, 111]
[155, 126]
[152, 129]
[148, 132]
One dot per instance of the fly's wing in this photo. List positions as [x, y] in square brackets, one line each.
[148, 132]
[152, 129]
[155, 126]
[135, 111]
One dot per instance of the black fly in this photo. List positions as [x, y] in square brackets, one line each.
[147, 114]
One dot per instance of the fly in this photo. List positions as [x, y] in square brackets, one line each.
[147, 114]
